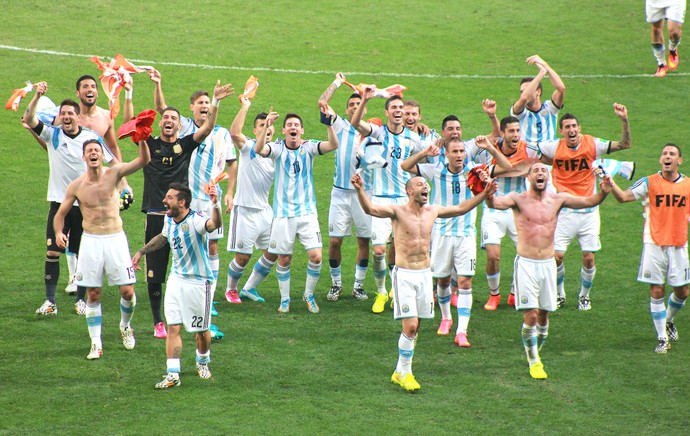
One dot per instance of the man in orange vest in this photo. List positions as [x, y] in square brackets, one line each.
[665, 240]
[572, 158]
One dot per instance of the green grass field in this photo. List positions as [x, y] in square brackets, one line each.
[329, 373]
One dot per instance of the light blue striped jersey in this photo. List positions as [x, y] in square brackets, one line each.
[189, 245]
[449, 189]
[254, 178]
[208, 160]
[540, 126]
[346, 156]
[390, 180]
[293, 183]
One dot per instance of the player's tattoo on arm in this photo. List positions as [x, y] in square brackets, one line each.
[154, 244]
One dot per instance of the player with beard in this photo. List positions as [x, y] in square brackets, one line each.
[170, 157]
[412, 284]
[206, 162]
[189, 296]
[536, 211]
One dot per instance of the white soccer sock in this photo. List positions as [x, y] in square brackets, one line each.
[336, 276]
[313, 274]
[235, 272]
[380, 273]
[405, 353]
[542, 334]
[283, 274]
[261, 269]
[659, 53]
[587, 276]
[174, 365]
[361, 273]
[94, 318]
[126, 311]
[658, 316]
[529, 341]
[203, 357]
[673, 45]
[674, 305]
[71, 263]
[494, 281]
[560, 279]
[443, 294]
[214, 261]
[464, 309]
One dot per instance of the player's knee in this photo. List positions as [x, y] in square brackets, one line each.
[335, 243]
[242, 259]
[51, 253]
[379, 250]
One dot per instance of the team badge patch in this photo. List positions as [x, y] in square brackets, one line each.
[523, 300]
[330, 228]
[49, 242]
[185, 227]
[405, 308]
[79, 277]
[240, 244]
[273, 244]
[647, 275]
[544, 113]
[177, 149]
[150, 273]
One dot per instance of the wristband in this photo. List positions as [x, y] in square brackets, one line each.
[128, 93]
[217, 205]
[215, 102]
[337, 84]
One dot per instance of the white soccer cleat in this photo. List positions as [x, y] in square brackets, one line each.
[128, 338]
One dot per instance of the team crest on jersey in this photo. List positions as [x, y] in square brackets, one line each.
[544, 113]
[150, 273]
[177, 149]
[49, 242]
[406, 142]
[405, 308]
[524, 299]
[301, 151]
[185, 227]
[157, 151]
[273, 244]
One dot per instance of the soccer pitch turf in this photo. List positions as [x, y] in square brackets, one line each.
[329, 373]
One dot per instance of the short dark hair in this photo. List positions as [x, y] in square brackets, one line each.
[196, 94]
[183, 192]
[392, 99]
[70, 102]
[448, 119]
[260, 116]
[567, 116]
[670, 144]
[85, 77]
[90, 141]
[508, 120]
[354, 95]
[291, 115]
[171, 108]
[529, 79]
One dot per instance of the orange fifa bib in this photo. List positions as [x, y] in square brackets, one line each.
[519, 155]
[571, 167]
[668, 210]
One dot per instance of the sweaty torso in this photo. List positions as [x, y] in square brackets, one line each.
[412, 230]
[535, 222]
[99, 202]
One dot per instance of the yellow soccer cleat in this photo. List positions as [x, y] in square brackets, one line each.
[409, 383]
[379, 303]
[537, 371]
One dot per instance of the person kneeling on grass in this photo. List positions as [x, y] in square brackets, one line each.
[188, 297]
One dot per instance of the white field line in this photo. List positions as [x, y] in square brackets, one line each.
[363, 73]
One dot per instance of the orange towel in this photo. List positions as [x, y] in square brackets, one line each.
[474, 182]
[115, 75]
[214, 181]
[250, 88]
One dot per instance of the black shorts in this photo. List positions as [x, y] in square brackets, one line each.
[72, 228]
[156, 261]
